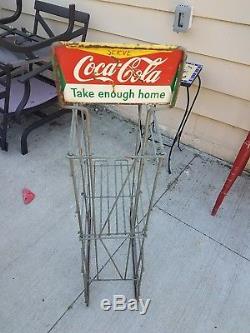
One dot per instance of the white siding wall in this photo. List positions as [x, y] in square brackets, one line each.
[219, 39]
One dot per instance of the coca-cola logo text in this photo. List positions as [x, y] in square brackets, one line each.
[134, 69]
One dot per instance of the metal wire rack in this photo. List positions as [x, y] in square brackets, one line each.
[114, 199]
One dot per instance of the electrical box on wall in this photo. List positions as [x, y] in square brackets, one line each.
[183, 18]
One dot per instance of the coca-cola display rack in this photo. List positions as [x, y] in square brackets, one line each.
[114, 190]
[114, 199]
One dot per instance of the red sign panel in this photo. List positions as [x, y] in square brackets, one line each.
[90, 73]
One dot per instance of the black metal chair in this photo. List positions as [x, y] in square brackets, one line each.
[12, 18]
[22, 45]
[25, 61]
[5, 81]
[22, 94]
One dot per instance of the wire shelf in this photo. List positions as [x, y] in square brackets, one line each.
[114, 199]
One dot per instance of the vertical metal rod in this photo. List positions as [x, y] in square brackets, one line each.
[92, 184]
[123, 201]
[107, 169]
[78, 212]
[149, 211]
[158, 131]
[88, 213]
[116, 205]
[160, 161]
[101, 195]
[85, 260]
[72, 131]
[127, 259]
[132, 237]
[137, 194]
[139, 132]
[153, 139]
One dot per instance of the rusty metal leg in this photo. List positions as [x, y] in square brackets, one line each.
[237, 168]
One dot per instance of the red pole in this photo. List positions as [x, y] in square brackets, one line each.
[237, 168]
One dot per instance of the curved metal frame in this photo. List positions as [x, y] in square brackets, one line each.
[70, 13]
[15, 16]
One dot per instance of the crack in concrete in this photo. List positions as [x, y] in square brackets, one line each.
[175, 181]
[204, 234]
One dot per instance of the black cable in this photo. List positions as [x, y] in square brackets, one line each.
[183, 122]
[190, 110]
[178, 131]
[141, 131]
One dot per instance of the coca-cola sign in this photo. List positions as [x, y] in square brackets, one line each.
[90, 73]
